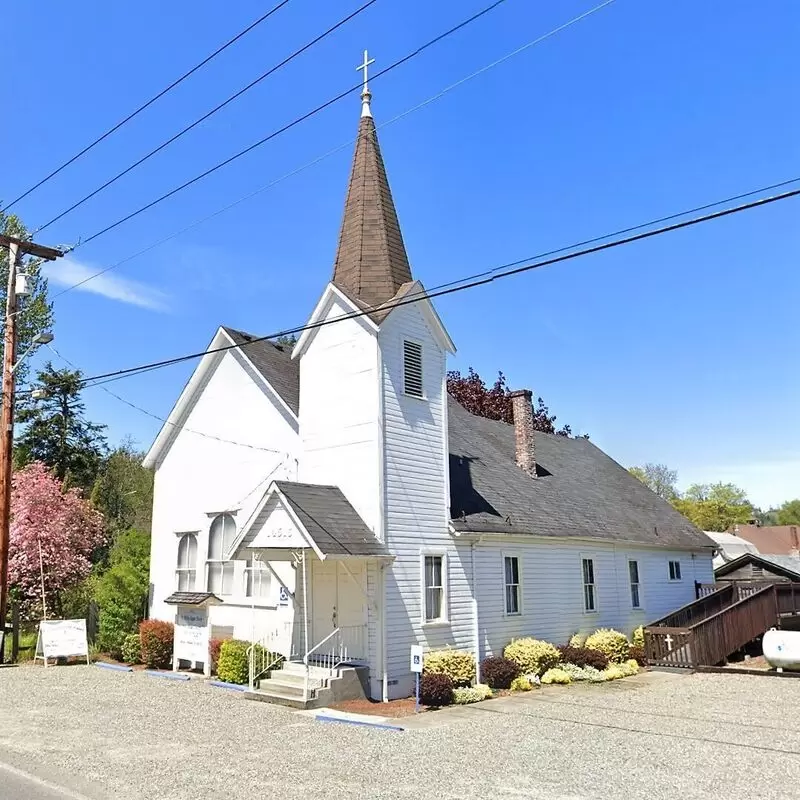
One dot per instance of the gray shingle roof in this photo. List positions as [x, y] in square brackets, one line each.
[330, 520]
[789, 565]
[274, 362]
[580, 491]
[191, 598]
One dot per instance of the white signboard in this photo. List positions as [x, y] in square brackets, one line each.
[416, 658]
[283, 596]
[59, 638]
[191, 635]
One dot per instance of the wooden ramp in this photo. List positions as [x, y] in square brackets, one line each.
[725, 619]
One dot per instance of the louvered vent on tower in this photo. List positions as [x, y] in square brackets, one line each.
[412, 369]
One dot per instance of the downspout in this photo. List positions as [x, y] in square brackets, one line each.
[476, 636]
[305, 623]
[385, 674]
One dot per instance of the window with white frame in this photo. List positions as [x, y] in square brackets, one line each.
[589, 588]
[434, 574]
[511, 573]
[412, 369]
[219, 571]
[633, 575]
[259, 579]
[186, 570]
[674, 570]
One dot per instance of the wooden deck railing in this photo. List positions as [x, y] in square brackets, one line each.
[707, 631]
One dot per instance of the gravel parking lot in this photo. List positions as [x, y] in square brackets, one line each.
[655, 736]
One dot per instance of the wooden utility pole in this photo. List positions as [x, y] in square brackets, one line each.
[15, 247]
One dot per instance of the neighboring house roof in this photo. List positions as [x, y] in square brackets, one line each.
[729, 546]
[579, 491]
[780, 539]
[788, 566]
[371, 260]
[274, 362]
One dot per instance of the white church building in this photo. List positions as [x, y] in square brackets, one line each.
[339, 505]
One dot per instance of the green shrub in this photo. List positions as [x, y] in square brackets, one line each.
[556, 675]
[435, 690]
[583, 657]
[132, 649]
[577, 640]
[521, 684]
[498, 672]
[532, 655]
[233, 665]
[613, 643]
[614, 671]
[637, 638]
[156, 638]
[471, 694]
[456, 664]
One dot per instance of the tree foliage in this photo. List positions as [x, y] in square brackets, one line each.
[123, 491]
[57, 432]
[789, 513]
[36, 311]
[63, 523]
[494, 402]
[659, 478]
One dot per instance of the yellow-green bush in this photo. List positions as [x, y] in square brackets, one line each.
[631, 666]
[471, 694]
[456, 664]
[614, 671]
[637, 638]
[577, 640]
[613, 643]
[556, 675]
[532, 655]
[521, 684]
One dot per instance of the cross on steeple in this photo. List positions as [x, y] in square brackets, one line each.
[366, 95]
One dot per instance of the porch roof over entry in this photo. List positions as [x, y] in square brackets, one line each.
[321, 517]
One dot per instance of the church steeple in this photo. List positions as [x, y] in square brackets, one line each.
[371, 260]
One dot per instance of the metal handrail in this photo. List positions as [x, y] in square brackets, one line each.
[319, 644]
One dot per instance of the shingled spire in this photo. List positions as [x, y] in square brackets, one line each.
[371, 260]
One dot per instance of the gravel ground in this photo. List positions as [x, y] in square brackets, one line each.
[654, 736]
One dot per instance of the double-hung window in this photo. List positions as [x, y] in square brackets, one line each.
[589, 588]
[186, 569]
[434, 587]
[633, 575]
[512, 586]
[219, 571]
[674, 570]
[259, 579]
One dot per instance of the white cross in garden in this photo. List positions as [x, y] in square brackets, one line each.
[668, 639]
[367, 62]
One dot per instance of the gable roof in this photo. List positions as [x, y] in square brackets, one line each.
[274, 363]
[371, 261]
[788, 566]
[330, 520]
[781, 539]
[580, 492]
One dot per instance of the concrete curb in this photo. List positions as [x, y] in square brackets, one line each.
[115, 667]
[363, 723]
[236, 687]
[171, 676]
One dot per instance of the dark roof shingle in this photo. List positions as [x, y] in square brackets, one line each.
[333, 524]
[580, 491]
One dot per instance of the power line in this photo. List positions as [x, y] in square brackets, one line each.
[208, 114]
[481, 279]
[290, 125]
[162, 419]
[148, 103]
[341, 147]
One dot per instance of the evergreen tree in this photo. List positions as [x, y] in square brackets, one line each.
[57, 433]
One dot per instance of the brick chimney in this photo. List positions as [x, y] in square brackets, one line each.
[523, 430]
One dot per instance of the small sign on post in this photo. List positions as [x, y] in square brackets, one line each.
[60, 638]
[416, 668]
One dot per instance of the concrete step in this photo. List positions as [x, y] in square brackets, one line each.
[296, 679]
[281, 698]
[298, 668]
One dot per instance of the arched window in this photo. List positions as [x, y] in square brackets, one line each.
[220, 538]
[187, 562]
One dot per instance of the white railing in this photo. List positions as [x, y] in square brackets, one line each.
[268, 652]
[341, 646]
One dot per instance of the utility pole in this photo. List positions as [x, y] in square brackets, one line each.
[15, 247]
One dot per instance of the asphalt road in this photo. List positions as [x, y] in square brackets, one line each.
[18, 784]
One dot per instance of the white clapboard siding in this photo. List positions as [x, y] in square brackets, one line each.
[415, 498]
[201, 475]
[339, 412]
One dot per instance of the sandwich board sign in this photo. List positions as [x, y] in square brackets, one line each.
[60, 638]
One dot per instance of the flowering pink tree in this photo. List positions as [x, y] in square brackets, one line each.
[67, 527]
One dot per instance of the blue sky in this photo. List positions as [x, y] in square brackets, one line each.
[681, 350]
